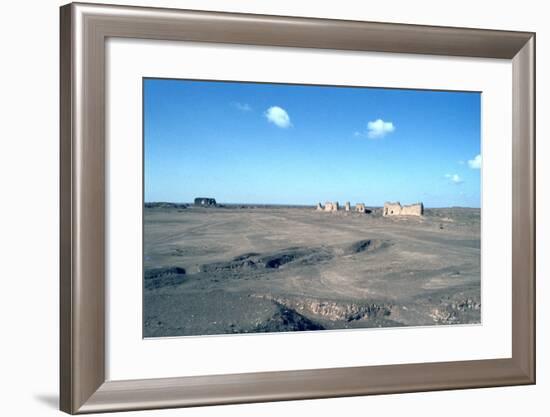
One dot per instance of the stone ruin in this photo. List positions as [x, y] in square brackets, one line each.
[396, 209]
[205, 202]
[390, 209]
[332, 206]
[416, 209]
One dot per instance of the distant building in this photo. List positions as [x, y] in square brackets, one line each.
[205, 202]
[331, 206]
[360, 208]
[396, 209]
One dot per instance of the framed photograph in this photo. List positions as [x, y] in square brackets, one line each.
[263, 208]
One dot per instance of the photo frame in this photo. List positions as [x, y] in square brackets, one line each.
[83, 33]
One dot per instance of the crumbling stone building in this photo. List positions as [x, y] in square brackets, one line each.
[396, 209]
[332, 206]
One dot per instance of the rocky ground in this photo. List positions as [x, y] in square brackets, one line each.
[270, 269]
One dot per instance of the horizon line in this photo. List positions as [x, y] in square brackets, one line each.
[302, 205]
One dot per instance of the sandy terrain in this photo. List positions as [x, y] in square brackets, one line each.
[266, 269]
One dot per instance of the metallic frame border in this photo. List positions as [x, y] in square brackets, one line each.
[84, 29]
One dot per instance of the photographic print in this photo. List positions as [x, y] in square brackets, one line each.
[280, 207]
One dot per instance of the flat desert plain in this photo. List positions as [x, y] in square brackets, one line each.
[244, 269]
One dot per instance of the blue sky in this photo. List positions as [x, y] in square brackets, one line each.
[294, 144]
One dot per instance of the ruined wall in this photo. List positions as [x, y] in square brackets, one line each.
[413, 210]
[396, 209]
[331, 206]
[392, 209]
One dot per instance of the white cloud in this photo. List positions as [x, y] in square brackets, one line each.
[242, 106]
[475, 163]
[375, 129]
[278, 116]
[379, 128]
[454, 178]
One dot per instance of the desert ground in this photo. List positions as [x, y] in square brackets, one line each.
[244, 269]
